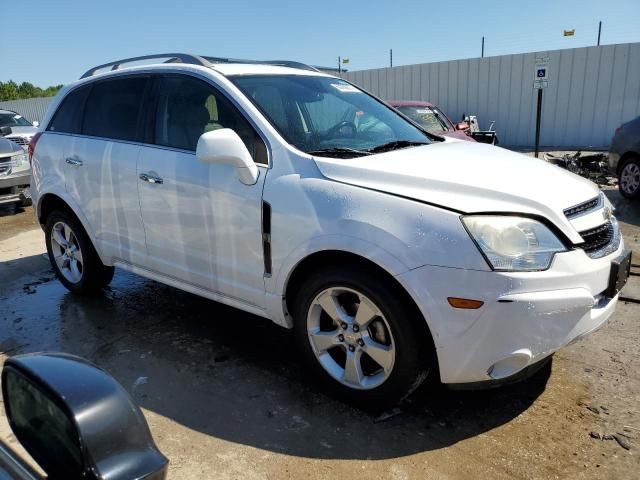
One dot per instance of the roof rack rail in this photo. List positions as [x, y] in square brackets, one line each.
[279, 63]
[172, 58]
[197, 60]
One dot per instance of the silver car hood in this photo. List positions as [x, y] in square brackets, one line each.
[469, 178]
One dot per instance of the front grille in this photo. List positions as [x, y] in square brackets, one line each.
[584, 207]
[5, 168]
[19, 140]
[602, 240]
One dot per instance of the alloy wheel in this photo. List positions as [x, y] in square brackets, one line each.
[66, 252]
[351, 338]
[630, 178]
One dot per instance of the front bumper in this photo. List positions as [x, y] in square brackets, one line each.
[526, 316]
[15, 188]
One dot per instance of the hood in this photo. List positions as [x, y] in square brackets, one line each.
[8, 148]
[22, 132]
[469, 178]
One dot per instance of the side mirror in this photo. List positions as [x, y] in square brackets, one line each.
[76, 421]
[36, 124]
[4, 131]
[225, 147]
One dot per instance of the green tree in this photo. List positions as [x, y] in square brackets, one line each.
[12, 91]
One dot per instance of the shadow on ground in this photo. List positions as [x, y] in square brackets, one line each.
[231, 375]
[627, 211]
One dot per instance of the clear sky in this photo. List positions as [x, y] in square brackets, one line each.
[53, 42]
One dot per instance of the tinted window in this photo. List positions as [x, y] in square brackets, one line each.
[13, 120]
[113, 107]
[68, 117]
[188, 107]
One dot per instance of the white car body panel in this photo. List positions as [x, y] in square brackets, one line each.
[202, 225]
[201, 230]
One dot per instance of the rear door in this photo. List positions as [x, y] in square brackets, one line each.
[203, 226]
[100, 166]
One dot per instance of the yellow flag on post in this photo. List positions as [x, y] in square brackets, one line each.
[345, 60]
[569, 33]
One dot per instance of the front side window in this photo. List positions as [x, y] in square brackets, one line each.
[427, 117]
[113, 107]
[188, 107]
[328, 116]
[14, 120]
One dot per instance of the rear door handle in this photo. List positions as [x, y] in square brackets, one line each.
[150, 178]
[73, 161]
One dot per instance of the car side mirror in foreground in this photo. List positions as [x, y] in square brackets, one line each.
[225, 147]
[76, 421]
[4, 131]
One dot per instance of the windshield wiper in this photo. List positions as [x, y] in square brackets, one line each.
[396, 144]
[339, 151]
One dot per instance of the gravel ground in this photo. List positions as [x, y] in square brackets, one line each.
[226, 398]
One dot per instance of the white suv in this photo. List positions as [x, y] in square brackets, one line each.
[296, 196]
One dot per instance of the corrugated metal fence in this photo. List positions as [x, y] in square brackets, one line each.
[591, 91]
[32, 109]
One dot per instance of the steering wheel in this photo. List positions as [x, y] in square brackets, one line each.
[339, 126]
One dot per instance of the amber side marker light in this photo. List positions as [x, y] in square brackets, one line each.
[464, 303]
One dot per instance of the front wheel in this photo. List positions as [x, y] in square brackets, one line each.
[359, 338]
[72, 256]
[629, 178]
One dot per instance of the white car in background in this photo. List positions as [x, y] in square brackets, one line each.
[298, 197]
[22, 130]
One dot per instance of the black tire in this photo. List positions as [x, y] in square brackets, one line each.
[623, 186]
[94, 275]
[413, 348]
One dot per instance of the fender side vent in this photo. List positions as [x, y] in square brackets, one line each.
[266, 236]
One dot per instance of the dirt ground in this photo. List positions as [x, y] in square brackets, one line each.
[226, 398]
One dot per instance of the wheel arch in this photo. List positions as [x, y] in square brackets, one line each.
[625, 158]
[50, 202]
[326, 258]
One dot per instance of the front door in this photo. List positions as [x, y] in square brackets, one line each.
[203, 226]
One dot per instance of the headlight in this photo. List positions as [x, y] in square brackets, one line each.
[513, 243]
[19, 160]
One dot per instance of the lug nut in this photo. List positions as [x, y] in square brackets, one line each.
[352, 348]
[341, 337]
[356, 328]
[344, 326]
[360, 342]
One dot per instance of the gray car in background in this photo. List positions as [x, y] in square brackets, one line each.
[624, 158]
[21, 129]
[15, 174]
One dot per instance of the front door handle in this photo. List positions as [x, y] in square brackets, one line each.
[75, 161]
[151, 178]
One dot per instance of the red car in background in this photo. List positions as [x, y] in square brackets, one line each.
[432, 119]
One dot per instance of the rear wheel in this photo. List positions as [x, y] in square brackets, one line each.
[629, 178]
[359, 338]
[72, 255]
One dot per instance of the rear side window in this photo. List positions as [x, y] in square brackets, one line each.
[68, 117]
[113, 107]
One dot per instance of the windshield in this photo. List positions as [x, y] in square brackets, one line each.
[14, 120]
[328, 116]
[427, 117]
